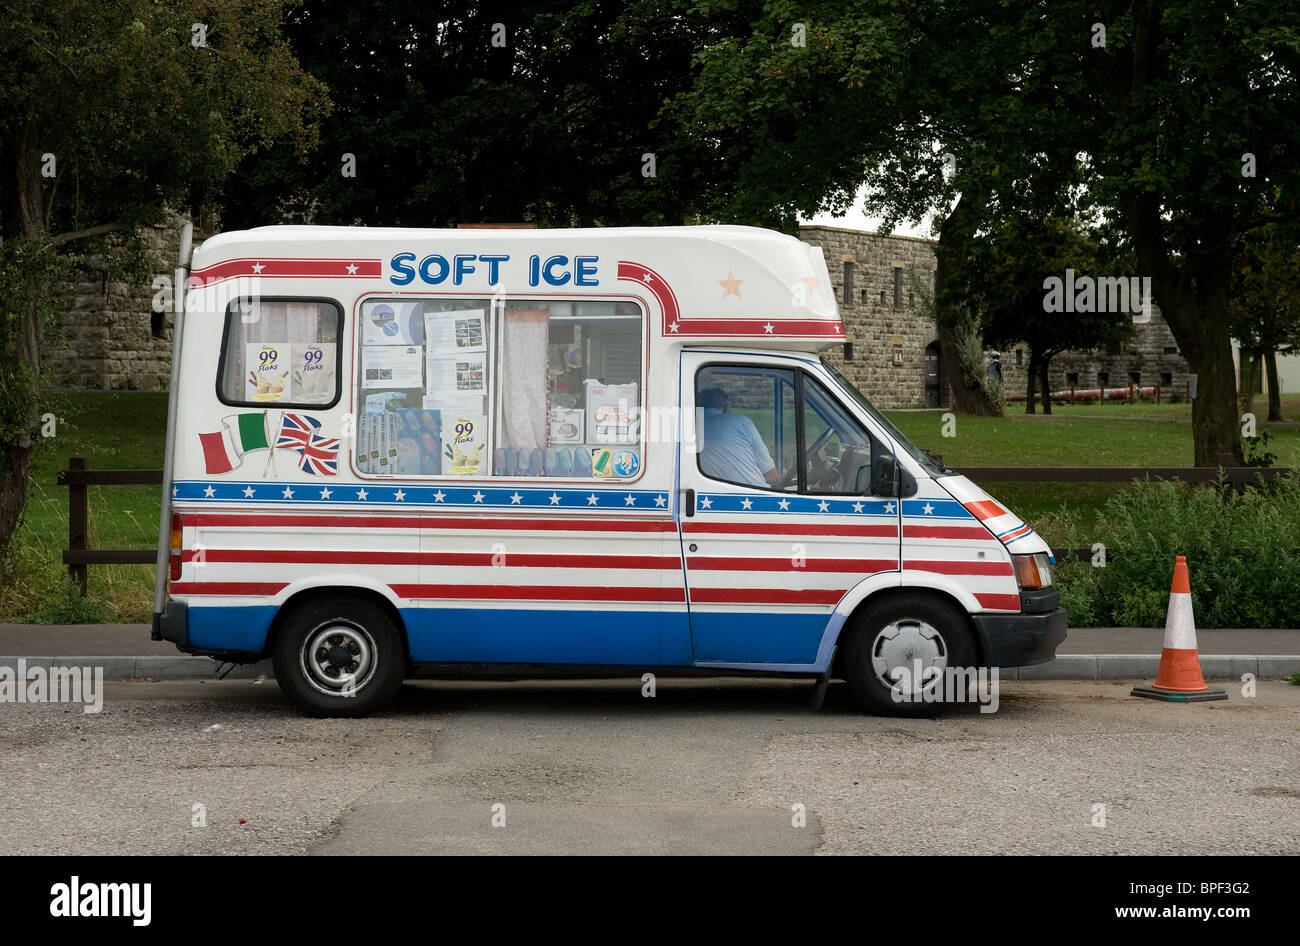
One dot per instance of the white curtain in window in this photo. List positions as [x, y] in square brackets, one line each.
[524, 379]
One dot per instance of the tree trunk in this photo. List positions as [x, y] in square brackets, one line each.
[1194, 302]
[1043, 363]
[1032, 375]
[1274, 392]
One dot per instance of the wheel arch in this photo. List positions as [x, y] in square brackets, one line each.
[887, 594]
[370, 595]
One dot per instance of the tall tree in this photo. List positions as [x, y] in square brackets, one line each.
[1266, 301]
[543, 111]
[108, 111]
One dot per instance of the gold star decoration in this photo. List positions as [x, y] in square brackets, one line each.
[730, 285]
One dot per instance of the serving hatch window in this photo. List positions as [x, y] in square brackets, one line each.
[281, 352]
[513, 387]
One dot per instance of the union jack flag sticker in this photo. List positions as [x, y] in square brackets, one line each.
[320, 457]
[297, 431]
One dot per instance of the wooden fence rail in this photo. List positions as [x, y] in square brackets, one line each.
[78, 479]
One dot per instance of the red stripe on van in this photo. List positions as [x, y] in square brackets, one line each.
[985, 509]
[425, 521]
[227, 587]
[859, 566]
[539, 593]
[764, 527]
[288, 267]
[946, 532]
[367, 557]
[999, 602]
[764, 596]
[963, 568]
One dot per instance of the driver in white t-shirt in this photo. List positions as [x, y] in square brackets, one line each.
[732, 448]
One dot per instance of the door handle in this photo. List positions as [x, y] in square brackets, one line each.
[689, 502]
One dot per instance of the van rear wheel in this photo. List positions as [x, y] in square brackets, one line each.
[339, 656]
[897, 652]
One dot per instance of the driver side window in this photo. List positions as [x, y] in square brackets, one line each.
[838, 453]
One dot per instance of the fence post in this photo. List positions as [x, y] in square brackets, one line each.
[78, 498]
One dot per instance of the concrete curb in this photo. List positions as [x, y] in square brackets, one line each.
[1141, 666]
[147, 668]
[1063, 667]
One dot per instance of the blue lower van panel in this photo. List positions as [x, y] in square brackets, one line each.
[238, 628]
[757, 638]
[449, 635]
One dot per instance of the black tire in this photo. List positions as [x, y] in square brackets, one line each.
[899, 630]
[339, 655]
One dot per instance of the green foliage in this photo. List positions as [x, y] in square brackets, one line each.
[1256, 452]
[67, 606]
[1242, 548]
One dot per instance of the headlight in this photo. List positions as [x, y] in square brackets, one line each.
[1033, 571]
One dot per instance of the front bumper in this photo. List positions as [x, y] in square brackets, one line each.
[1019, 640]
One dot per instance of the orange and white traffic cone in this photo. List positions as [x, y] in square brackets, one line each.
[1178, 678]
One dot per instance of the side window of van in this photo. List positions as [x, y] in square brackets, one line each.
[746, 425]
[492, 387]
[838, 452]
[280, 353]
[764, 427]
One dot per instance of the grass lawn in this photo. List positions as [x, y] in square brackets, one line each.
[125, 431]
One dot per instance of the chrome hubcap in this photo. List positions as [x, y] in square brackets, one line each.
[914, 648]
[338, 659]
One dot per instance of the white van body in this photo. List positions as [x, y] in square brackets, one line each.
[396, 452]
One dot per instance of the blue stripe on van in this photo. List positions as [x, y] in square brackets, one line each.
[636, 638]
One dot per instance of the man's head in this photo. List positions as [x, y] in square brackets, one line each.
[714, 398]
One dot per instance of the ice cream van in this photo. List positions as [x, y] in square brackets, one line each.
[396, 453]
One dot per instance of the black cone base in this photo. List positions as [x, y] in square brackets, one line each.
[1169, 696]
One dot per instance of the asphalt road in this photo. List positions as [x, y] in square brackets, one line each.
[707, 766]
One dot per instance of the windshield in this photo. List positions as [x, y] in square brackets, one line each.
[932, 464]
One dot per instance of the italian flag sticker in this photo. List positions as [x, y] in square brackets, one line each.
[224, 449]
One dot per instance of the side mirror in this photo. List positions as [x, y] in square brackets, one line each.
[884, 476]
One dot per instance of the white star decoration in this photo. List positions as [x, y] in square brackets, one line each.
[629, 500]
[857, 507]
[768, 328]
[705, 503]
[591, 500]
[288, 493]
[325, 493]
[673, 328]
[746, 504]
[439, 496]
[927, 509]
[784, 504]
[555, 499]
[399, 496]
[257, 268]
[352, 269]
[478, 496]
[889, 507]
[823, 506]
[362, 494]
[208, 491]
[660, 501]
[248, 492]
[175, 490]
[514, 500]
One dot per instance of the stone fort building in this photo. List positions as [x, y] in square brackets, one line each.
[891, 351]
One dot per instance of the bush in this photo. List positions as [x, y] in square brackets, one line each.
[1242, 548]
[68, 607]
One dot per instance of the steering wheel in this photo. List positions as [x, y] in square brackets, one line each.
[818, 466]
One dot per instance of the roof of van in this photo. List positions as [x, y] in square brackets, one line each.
[709, 282]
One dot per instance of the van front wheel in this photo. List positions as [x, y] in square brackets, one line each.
[897, 654]
[339, 656]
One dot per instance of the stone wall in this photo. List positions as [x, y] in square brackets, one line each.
[887, 358]
[1150, 359]
[887, 337]
[106, 340]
